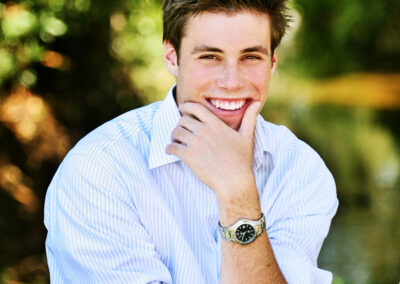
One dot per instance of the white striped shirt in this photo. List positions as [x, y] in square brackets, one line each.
[120, 210]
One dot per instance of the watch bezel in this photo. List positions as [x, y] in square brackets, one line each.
[249, 240]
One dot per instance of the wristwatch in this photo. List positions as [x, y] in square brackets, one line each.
[244, 231]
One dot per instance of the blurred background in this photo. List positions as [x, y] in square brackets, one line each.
[67, 66]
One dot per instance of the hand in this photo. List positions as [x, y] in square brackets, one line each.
[219, 156]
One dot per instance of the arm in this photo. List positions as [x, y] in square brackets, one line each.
[94, 233]
[253, 263]
[222, 159]
[299, 228]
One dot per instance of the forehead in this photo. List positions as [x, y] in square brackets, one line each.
[222, 30]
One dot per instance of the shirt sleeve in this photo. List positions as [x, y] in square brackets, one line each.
[302, 212]
[94, 233]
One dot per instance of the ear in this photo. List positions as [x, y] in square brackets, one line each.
[170, 58]
[274, 61]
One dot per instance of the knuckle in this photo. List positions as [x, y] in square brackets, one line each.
[170, 149]
[174, 133]
[183, 120]
[177, 135]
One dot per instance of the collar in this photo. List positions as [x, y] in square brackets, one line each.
[167, 118]
[164, 122]
[262, 143]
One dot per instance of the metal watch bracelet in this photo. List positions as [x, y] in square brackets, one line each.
[243, 231]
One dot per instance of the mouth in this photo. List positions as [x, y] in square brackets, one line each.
[228, 104]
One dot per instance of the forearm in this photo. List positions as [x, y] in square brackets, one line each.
[252, 263]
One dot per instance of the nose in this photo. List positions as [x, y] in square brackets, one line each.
[231, 77]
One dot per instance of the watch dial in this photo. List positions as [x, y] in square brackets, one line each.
[245, 233]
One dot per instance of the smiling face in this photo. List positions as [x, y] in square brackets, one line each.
[225, 63]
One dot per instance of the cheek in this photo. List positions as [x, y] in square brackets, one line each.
[194, 81]
[259, 78]
[203, 75]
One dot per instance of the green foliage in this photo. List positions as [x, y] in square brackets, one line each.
[361, 154]
[347, 36]
[7, 64]
[63, 52]
[18, 24]
[28, 29]
[337, 280]
[364, 159]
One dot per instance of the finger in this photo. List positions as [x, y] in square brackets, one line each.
[249, 119]
[190, 123]
[181, 135]
[176, 149]
[199, 111]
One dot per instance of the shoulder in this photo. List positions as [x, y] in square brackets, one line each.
[118, 148]
[123, 135]
[299, 183]
[292, 155]
[283, 142]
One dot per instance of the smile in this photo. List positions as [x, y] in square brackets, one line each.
[228, 105]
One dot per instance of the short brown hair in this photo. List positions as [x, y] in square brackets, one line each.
[177, 12]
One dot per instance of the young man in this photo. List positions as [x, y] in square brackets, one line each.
[197, 188]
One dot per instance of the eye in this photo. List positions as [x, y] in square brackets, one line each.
[252, 57]
[208, 57]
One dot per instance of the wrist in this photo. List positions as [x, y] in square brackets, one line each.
[234, 187]
[239, 204]
[227, 217]
[243, 231]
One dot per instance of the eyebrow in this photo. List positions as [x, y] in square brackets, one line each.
[257, 48]
[203, 48]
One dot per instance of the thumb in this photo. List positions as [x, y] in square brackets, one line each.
[249, 119]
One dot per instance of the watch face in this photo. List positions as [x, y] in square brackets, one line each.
[245, 233]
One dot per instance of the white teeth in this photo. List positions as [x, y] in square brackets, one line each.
[225, 105]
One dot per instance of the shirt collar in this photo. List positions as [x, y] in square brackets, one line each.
[164, 122]
[261, 143]
[167, 118]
